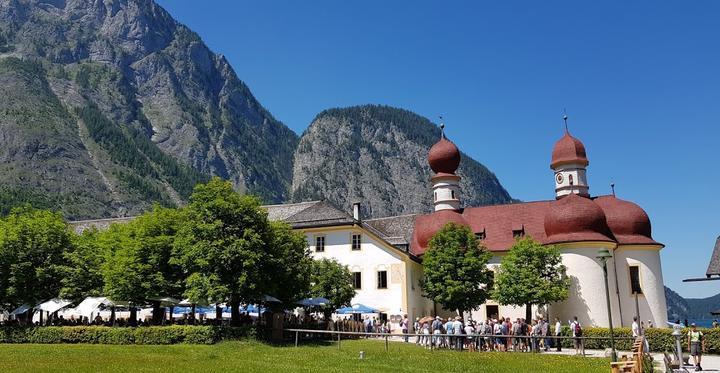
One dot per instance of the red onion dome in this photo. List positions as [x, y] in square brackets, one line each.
[628, 222]
[576, 219]
[444, 157]
[427, 225]
[568, 150]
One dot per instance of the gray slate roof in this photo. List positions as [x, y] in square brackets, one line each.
[714, 266]
[309, 214]
[396, 230]
[100, 224]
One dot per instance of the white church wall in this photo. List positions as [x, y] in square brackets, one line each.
[371, 258]
[418, 305]
[587, 299]
[652, 304]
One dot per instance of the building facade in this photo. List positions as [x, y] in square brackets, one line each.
[386, 254]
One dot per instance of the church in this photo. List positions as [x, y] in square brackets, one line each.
[385, 255]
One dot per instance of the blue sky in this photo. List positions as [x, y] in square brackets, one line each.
[640, 81]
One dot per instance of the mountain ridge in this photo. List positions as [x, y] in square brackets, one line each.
[680, 308]
[378, 154]
[141, 109]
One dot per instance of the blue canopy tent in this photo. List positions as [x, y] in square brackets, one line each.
[180, 310]
[314, 302]
[356, 308]
[252, 308]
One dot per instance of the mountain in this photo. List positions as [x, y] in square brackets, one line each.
[680, 308]
[109, 105]
[378, 155]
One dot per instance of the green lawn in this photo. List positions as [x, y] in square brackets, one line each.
[256, 357]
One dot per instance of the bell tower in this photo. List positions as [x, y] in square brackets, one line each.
[569, 162]
[444, 159]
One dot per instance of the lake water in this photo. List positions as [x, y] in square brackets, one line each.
[702, 323]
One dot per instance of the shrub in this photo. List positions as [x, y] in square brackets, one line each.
[659, 339]
[154, 335]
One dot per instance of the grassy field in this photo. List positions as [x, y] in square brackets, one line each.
[256, 357]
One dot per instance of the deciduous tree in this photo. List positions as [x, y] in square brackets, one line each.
[138, 267]
[81, 272]
[31, 256]
[455, 272]
[531, 274]
[333, 281]
[223, 246]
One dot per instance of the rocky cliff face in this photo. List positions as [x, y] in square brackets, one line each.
[139, 75]
[111, 105]
[378, 155]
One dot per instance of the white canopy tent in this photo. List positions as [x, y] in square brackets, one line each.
[90, 306]
[52, 305]
[20, 310]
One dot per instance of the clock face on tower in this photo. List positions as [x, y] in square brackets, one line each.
[559, 178]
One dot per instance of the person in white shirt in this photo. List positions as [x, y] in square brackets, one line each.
[558, 332]
[497, 330]
[635, 328]
[470, 339]
[576, 330]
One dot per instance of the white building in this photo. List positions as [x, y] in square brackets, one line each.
[385, 254]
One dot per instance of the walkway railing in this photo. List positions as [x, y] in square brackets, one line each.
[429, 339]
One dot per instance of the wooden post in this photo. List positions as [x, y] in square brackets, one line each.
[386, 343]
[297, 335]
[338, 341]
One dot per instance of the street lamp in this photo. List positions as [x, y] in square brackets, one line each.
[603, 256]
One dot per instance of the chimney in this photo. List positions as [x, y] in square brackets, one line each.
[356, 211]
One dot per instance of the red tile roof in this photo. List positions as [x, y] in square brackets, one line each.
[499, 221]
[575, 220]
[444, 157]
[568, 150]
[630, 224]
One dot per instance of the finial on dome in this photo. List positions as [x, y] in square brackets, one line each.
[442, 127]
[612, 186]
[565, 118]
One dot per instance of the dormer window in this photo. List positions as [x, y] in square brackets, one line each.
[518, 231]
[480, 235]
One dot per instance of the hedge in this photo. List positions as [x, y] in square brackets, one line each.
[153, 335]
[659, 339]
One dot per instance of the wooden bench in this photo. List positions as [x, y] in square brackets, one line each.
[670, 365]
[633, 364]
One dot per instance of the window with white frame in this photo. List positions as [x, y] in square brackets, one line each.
[319, 244]
[356, 241]
[357, 280]
[382, 280]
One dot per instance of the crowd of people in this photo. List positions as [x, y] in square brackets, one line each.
[98, 320]
[493, 334]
